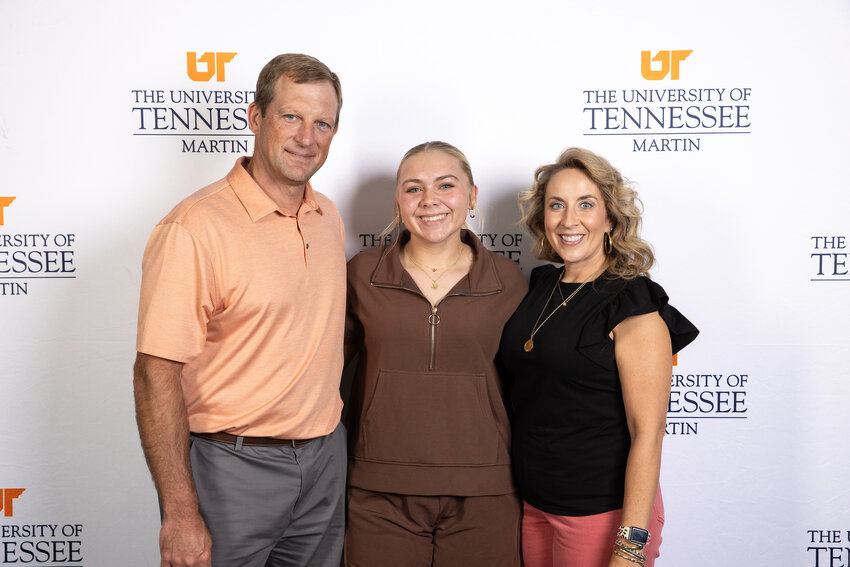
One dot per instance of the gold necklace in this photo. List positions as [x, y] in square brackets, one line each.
[434, 284]
[529, 344]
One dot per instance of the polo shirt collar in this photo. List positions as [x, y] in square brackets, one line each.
[256, 202]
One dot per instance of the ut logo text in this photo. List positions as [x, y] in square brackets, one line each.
[7, 495]
[214, 61]
[669, 64]
[4, 202]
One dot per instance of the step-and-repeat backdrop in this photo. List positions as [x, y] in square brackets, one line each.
[730, 116]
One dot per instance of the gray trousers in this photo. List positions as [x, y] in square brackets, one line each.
[273, 506]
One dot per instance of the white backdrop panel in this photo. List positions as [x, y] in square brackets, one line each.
[762, 482]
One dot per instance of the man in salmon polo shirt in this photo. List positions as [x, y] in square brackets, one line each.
[240, 345]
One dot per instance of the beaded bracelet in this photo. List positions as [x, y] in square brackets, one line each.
[637, 548]
[636, 556]
[632, 559]
[633, 554]
[622, 545]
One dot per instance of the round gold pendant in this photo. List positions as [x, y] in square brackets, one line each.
[529, 344]
[434, 285]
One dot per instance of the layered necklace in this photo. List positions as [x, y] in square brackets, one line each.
[529, 344]
[428, 271]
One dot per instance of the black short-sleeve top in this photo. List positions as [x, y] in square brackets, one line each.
[570, 437]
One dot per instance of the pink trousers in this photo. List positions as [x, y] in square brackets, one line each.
[549, 540]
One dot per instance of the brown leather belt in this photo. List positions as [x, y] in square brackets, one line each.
[228, 438]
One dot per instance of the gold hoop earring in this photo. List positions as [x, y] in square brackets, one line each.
[607, 243]
[472, 213]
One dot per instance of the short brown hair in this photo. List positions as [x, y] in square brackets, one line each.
[301, 69]
[631, 256]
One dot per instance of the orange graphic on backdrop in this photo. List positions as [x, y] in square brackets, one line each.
[4, 202]
[7, 495]
[669, 64]
[214, 61]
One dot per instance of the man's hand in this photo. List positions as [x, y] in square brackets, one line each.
[185, 542]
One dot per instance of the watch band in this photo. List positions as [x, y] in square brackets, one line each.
[639, 536]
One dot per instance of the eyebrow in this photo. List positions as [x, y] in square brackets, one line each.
[594, 197]
[440, 178]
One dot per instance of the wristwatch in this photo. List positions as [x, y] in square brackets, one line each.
[639, 536]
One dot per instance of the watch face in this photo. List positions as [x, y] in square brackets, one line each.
[639, 535]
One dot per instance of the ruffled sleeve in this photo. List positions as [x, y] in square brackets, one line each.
[627, 299]
[541, 273]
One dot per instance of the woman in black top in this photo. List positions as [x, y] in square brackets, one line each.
[588, 354]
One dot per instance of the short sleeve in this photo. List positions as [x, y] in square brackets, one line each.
[176, 300]
[540, 273]
[630, 298]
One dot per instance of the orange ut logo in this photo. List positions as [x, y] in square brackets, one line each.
[6, 497]
[215, 62]
[669, 64]
[4, 202]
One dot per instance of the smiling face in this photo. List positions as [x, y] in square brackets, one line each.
[433, 194]
[575, 220]
[293, 138]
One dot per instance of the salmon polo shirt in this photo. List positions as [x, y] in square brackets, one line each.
[252, 299]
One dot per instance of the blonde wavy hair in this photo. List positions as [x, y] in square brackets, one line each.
[631, 255]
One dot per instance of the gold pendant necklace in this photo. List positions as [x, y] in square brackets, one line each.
[529, 344]
[434, 284]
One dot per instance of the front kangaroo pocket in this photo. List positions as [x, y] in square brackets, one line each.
[430, 418]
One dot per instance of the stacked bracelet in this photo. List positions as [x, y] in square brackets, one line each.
[633, 553]
[632, 558]
[637, 538]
